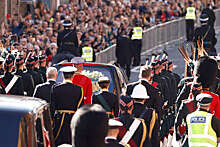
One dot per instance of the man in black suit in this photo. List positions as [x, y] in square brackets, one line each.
[66, 98]
[107, 100]
[113, 130]
[43, 91]
[123, 52]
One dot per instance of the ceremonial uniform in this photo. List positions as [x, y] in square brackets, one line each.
[151, 120]
[86, 84]
[36, 77]
[17, 87]
[43, 90]
[206, 33]
[123, 53]
[66, 98]
[111, 102]
[28, 82]
[43, 70]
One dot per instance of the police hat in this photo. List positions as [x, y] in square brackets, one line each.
[204, 18]
[78, 60]
[68, 69]
[114, 123]
[1, 60]
[103, 79]
[125, 102]
[140, 92]
[206, 70]
[204, 99]
[67, 23]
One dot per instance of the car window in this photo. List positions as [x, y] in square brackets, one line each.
[94, 72]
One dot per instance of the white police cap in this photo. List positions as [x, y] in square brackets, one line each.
[114, 123]
[139, 92]
[204, 99]
[68, 69]
[103, 79]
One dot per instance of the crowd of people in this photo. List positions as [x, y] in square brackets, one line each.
[147, 116]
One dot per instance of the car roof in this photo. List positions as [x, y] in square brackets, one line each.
[20, 103]
[87, 64]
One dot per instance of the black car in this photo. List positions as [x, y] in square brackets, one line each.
[118, 79]
[25, 122]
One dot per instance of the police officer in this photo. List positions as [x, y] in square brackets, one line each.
[149, 115]
[134, 130]
[88, 53]
[26, 77]
[136, 35]
[66, 98]
[211, 14]
[206, 35]
[190, 18]
[123, 45]
[107, 100]
[203, 128]
[113, 130]
[82, 80]
[67, 43]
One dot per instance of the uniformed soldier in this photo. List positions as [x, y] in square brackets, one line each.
[136, 36]
[36, 68]
[28, 81]
[66, 98]
[2, 72]
[190, 18]
[134, 130]
[12, 84]
[89, 126]
[149, 115]
[113, 130]
[203, 128]
[30, 69]
[107, 100]
[82, 80]
[67, 43]
[123, 52]
[42, 66]
[206, 35]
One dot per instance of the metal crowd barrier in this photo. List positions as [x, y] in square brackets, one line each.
[155, 37]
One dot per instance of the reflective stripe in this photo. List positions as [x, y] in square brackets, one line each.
[200, 131]
[137, 33]
[135, 124]
[201, 145]
[87, 53]
[66, 111]
[11, 84]
[190, 13]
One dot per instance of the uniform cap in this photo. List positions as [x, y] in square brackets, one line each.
[204, 17]
[204, 99]
[67, 23]
[68, 69]
[103, 79]
[78, 60]
[2, 59]
[114, 123]
[140, 92]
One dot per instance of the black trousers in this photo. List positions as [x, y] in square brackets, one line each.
[136, 50]
[189, 29]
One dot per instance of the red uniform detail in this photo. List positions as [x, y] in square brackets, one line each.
[86, 84]
[155, 84]
[215, 104]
